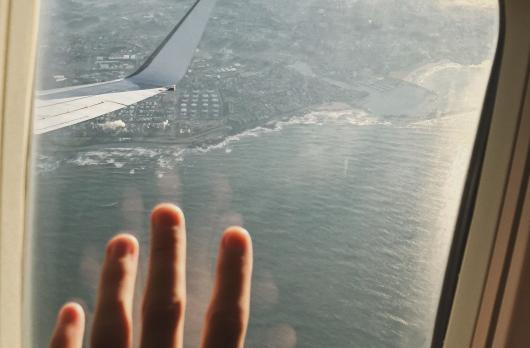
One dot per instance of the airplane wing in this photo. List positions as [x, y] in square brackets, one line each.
[55, 109]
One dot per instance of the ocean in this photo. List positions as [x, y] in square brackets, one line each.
[351, 218]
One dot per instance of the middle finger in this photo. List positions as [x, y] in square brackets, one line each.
[112, 320]
[165, 294]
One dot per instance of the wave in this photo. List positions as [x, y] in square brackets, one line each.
[254, 132]
[112, 156]
[355, 117]
[456, 121]
[349, 116]
[458, 86]
[167, 157]
[46, 164]
[117, 157]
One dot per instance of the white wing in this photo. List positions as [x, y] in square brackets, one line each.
[64, 107]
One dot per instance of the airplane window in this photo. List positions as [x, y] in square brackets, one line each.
[337, 132]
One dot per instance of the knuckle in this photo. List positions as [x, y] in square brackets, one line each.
[114, 274]
[171, 312]
[231, 319]
[167, 243]
[111, 326]
[164, 249]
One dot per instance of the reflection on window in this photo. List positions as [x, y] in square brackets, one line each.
[337, 132]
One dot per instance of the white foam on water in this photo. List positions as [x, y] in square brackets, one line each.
[167, 157]
[459, 87]
[119, 156]
[458, 120]
[355, 117]
[84, 161]
[254, 132]
[347, 116]
[46, 164]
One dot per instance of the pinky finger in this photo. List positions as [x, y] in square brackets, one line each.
[70, 327]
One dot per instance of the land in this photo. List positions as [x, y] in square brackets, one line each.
[258, 63]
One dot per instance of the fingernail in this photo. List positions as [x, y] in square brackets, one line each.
[235, 241]
[121, 248]
[69, 315]
[166, 215]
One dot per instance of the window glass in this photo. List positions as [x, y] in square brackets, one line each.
[337, 132]
[93, 41]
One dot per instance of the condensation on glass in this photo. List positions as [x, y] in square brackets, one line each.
[337, 132]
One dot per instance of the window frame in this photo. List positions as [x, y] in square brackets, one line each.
[18, 47]
[469, 195]
[490, 218]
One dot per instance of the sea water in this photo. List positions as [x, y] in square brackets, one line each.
[351, 219]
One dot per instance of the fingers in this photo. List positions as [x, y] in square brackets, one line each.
[70, 327]
[165, 294]
[112, 320]
[227, 316]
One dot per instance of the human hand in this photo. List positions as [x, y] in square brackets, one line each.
[164, 300]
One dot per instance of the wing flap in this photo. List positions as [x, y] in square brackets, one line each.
[69, 111]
